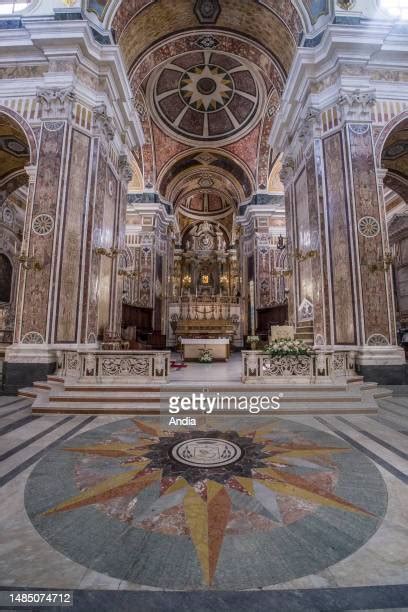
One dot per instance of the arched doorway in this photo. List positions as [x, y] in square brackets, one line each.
[16, 151]
[6, 277]
[394, 158]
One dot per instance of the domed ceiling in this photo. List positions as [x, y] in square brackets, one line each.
[206, 97]
[207, 77]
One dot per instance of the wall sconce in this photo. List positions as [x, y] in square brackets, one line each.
[224, 280]
[282, 273]
[186, 280]
[123, 272]
[30, 263]
[111, 253]
[383, 263]
[303, 255]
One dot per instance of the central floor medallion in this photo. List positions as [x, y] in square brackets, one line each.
[206, 452]
[238, 504]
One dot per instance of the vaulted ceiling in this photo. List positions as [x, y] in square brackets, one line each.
[207, 78]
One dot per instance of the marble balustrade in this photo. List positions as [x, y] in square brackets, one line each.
[320, 367]
[108, 367]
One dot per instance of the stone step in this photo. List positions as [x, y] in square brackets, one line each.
[123, 409]
[53, 397]
[107, 397]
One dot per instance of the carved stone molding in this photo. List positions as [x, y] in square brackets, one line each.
[310, 126]
[287, 171]
[369, 227]
[356, 105]
[346, 5]
[381, 174]
[32, 337]
[377, 340]
[31, 172]
[306, 311]
[125, 169]
[102, 122]
[56, 103]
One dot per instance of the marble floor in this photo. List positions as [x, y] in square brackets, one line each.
[221, 371]
[241, 513]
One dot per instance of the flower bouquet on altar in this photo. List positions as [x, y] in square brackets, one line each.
[206, 356]
[253, 342]
[285, 347]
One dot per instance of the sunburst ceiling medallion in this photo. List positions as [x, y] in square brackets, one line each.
[206, 88]
[206, 96]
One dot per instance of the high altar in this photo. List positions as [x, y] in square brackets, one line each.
[206, 298]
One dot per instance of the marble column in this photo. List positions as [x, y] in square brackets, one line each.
[68, 286]
[342, 262]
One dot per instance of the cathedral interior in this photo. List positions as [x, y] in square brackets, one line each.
[204, 197]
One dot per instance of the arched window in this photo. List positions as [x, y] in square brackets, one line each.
[6, 274]
[397, 8]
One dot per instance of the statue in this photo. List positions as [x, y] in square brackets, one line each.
[220, 241]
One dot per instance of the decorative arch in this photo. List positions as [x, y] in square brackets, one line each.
[221, 40]
[385, 133]
[26, 129]
[286, 15]
[218, 158]
[392, 154]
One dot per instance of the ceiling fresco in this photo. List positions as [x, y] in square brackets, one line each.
[207, 77]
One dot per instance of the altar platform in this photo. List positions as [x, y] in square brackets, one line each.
[59, 396]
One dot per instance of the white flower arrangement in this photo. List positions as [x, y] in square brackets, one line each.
[252, 339]
[286, 346]
[206, 356]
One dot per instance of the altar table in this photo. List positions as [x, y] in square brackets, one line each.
[193, 347]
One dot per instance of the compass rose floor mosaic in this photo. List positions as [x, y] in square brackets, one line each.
[294, 513]
[176, 510]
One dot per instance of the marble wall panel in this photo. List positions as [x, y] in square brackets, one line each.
[319, 165]
[72, 247]
[106, 264]
[339, 242]
[303, 237]
[373, 283]
[94, 236]
[316, 231]
[37, 283]
[289, 247]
